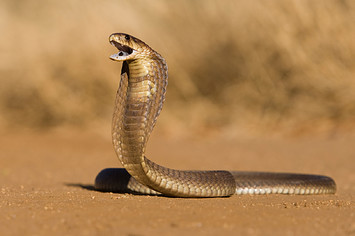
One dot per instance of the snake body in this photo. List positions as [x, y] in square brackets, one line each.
[139, 100]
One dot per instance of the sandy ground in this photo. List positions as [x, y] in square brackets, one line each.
[46, 179]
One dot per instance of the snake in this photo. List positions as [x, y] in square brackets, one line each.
[139, 101]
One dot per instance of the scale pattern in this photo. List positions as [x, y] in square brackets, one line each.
[139, 100]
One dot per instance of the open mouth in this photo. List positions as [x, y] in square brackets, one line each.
[123, 51]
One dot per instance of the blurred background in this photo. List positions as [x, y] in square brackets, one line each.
[234, 66]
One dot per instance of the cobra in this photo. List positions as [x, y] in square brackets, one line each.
[139, 100]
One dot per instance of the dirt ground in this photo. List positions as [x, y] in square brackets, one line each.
[46, 181]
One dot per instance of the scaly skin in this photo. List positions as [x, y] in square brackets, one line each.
[139, 100]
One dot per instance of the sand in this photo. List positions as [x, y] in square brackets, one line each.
[46, 186]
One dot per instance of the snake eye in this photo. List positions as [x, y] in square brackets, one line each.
[127, 37]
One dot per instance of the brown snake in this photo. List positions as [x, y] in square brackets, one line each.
[139, 100]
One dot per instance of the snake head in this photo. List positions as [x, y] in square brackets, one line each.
[129, 47]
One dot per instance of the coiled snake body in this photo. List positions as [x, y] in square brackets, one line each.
[139, 100]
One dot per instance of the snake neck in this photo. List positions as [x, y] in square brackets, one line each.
[139, 100]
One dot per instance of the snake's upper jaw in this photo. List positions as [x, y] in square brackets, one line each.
[124, 52]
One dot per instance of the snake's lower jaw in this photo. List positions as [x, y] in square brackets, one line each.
[120, 56]
[123, 55]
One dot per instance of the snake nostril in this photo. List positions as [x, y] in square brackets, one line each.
[120, 53]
